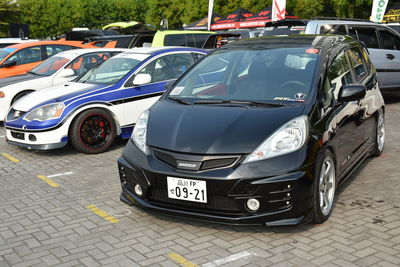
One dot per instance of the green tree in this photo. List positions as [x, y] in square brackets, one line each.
[173, 10]
[8, 14]
[352, 8]
[50, 18]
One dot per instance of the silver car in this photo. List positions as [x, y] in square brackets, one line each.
[383, 42]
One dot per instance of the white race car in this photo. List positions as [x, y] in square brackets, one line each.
[60, 68]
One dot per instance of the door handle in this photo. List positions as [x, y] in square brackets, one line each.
[390, 56]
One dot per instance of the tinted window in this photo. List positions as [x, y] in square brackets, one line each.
[200, 39]
[389, 40]
[55, 49]
[368, 36]
[27, 55]
[190, 40]
[357, 64]
[353, 33]
[284, 74]
[333, 29]
[175, 39]
[168, 67]
[338, 74]
[283, 30]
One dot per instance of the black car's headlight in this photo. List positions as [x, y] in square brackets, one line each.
[47, 112]
[288, 138]
[140, 132]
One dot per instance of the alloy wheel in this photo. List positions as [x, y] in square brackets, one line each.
[380, 130]
[327, 185]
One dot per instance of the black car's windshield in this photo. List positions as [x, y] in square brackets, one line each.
[113, 70]
[269, 75]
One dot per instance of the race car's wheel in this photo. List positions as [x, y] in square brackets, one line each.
[93, 131]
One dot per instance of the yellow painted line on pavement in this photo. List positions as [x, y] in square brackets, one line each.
[47, 180]
[9, 157]
[181, 260]
[102, 214]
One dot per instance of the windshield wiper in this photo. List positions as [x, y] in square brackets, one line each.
[239, 102]
[180, 100]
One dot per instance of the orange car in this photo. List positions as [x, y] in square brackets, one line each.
[20, 58]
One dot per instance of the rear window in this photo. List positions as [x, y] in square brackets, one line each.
[191, 40]
[175, 39]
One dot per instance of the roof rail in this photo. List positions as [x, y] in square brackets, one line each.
[335, 18]
[287, 22]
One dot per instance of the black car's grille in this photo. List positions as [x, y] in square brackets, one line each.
[206, 162]
[170, 160]
[217, 163]
[14, 114]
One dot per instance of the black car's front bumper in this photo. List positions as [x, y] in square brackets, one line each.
[285, 199]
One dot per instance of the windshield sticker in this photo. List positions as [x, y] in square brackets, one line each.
[312, 51]
[177, 90]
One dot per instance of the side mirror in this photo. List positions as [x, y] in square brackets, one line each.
[66, 73]
[142, 78]
[8, 64]
[351, 92]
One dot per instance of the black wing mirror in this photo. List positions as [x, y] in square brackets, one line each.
[8, 64]
[352, 92]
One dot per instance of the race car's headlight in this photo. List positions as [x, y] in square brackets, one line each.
[140, 132]
[288, 138]
[47, 112]
[2, 94]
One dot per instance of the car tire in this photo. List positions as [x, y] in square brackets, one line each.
[379, 136]
[324, 187]
[93, 131]
[18, 96]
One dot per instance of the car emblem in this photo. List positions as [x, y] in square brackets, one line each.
[187, 165]
[299, 96]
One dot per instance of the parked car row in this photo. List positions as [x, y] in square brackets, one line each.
[259, 131]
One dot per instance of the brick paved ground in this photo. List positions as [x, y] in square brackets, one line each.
[42, 225]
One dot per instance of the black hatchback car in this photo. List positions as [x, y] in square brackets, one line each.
[260, 131]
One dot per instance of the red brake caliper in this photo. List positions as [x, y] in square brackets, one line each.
[102, 124]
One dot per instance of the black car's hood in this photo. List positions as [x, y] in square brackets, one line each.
[18, 78]
[214, 129]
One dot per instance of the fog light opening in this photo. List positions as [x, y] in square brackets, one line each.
[253, 204]
[32, 137]
[138, 190]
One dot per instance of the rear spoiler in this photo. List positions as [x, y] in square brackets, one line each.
[287, 22]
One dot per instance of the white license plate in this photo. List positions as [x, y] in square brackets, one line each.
[186, 189]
